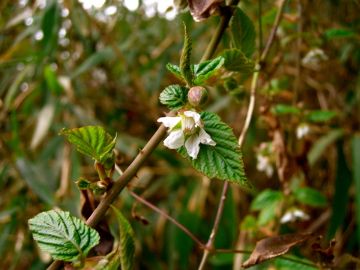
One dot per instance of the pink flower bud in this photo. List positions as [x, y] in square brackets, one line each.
[197, 96]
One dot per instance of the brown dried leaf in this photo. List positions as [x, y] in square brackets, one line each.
[275, 246]
[202, 9]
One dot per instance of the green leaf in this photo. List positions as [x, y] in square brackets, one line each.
[297, 263]
[243, 32]
[97, 58]
[185, 59]
[339, 33]
[174, 97]
[36, 180]
[266, 198]
[268, 214]
[310, 196]
[224, 160]
[321, 144]
[65, 237]
[283, 109]
[52, 81]
[50, 26]
[340, 201]
[92, 141]
[320, 116]
[235, 60]
[174, 69]
[267, 202]
[207, 69]
[127, 242]
[356, 176]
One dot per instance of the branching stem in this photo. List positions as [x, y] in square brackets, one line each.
[154, 141]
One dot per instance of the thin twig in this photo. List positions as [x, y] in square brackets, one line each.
[210, 243]
[249, 115]
[260, 26]
[251, 107]
[298, 52]
[273, 31]
[167, 216]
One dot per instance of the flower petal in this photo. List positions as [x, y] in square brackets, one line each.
[169, 121]
[205, 138]
[192, 146]
[195, 116]
[175, 139]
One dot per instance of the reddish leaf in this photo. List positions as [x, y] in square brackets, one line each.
[275, 246]
[202, 9]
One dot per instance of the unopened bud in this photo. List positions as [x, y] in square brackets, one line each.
[83, 183]
[197, 96]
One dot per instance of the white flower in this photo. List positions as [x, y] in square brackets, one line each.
[293, 215]
[314, 57]
[186, 129]
[264, 165]
[302, 130]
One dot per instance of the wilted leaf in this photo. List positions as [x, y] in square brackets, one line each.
[272, 247]
[202, 9]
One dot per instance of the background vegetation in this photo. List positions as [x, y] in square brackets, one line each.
[63, 64]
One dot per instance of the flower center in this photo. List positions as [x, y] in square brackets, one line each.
[188, 125]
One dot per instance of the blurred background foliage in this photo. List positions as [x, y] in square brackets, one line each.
[74, 63]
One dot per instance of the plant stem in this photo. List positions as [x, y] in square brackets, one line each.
[154, 141]
[171, 219]
[273, 31]
[249, 115]
[224, 22]
[210, 243]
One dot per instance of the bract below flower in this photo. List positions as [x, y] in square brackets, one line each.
[186, 129]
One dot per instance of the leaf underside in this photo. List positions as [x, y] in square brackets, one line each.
[65, 237]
